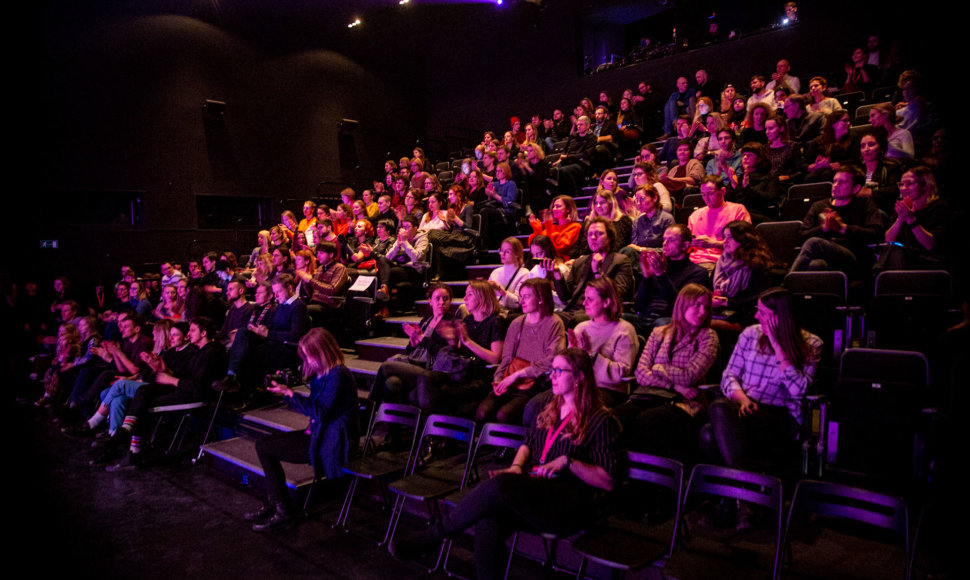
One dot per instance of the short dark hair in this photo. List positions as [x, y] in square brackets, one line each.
[206, 325]
[858, 177]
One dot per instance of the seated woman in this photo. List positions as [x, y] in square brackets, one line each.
[454, 246]
[475, 183]
[263, 271]
[645, 173]
[784, 157]
[920, 225]
[262, 247]
[630, 126]
[604, 205]
[508, 278]
[305, 265]
[413, 205]
[610, 340]
[741, 272]
[436, 217]
[649, 228]
[708, 145]
[753, 185]
[702, 111]
[475, 341]
[498, 211]
[550, 486]
[882, 173]
[333, 433]
[546, 262]
[763, 385]
[169, 307]
[900, 141]
[830, 150]
[369, 197]
[531, 173]
[289, 225]
[359, 211]
[754, 125]
[676, 358]
[399, 375]
[561, 226]
[688, 171]
[530, 344]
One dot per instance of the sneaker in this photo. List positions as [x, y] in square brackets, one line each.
[280, 517]
[264, 512]
[382, 293]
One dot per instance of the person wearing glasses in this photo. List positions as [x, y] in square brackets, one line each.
[568, 459]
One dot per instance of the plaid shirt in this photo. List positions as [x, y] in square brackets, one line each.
[667, 365]
[758, 374]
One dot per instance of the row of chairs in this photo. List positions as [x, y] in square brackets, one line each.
[621, 541]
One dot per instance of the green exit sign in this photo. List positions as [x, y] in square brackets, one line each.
[51, 244]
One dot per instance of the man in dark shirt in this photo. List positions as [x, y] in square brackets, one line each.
[573, 165]
[125, 355]
[239, 311]
[192, 384]
[837, 231]
[802, 125]
[664, 274]
[601, 262]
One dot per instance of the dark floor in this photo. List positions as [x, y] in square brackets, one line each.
[177, 519]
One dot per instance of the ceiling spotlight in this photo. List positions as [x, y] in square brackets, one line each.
[355, 23]
[499, 2]
[403, 2]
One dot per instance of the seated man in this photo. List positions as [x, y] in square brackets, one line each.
[384, 212]
[760, 93]
[837, 231]
[327, 284]
[240, 310]
[607, 141]
[680, 102]
[573, 165]
[601, 262]
[726, 160]
[268, 347]
[191, 385]
[408, 258]
[664, 274]
[114, 400]
[124, 355]
[707, 223]
[781, 78]
[803, 126]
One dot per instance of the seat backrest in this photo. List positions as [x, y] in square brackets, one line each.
[836, 283]
[727, 482]
[878, 365]
[936, 283]
[661, 471]
[835, 500]
[501, 435]
[448, 427]
[782, 239]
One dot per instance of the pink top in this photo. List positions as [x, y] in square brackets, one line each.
[710, 222]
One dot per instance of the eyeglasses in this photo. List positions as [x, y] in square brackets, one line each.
[555, 372]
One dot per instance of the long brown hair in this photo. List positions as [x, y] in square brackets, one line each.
[587, 397]
[752, 249]
[790, 337]
[320, 352]
[679, 326]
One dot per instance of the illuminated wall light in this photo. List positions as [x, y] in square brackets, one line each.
[355, 23]
[403, 2]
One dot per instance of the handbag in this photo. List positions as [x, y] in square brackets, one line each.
[450, 361]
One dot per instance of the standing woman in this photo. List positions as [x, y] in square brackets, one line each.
[551, 485]
[764, 383]
[333, 431]
[676, 359]
[530, 344]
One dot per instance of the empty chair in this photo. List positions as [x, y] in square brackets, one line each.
[429, 480]
[831, 505]
[801, 197]
[687, 206]
[909, 310]
[850, 101]
[381, 466]
[873, 420]
[442, 166]
[730, 486]
[784, 239]
[629, 544]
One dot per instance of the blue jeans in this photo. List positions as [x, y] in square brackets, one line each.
[116, 398]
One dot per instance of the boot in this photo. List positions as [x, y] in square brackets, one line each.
[263, 513]
[281, 517]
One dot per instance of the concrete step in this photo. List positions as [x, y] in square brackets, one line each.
[362, 368]
[237, 458]
[379, 349]
[480, 271]
[280, 418]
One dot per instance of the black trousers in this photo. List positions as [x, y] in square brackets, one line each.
[292, 447]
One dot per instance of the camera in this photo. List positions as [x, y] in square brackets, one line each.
[287, 377]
